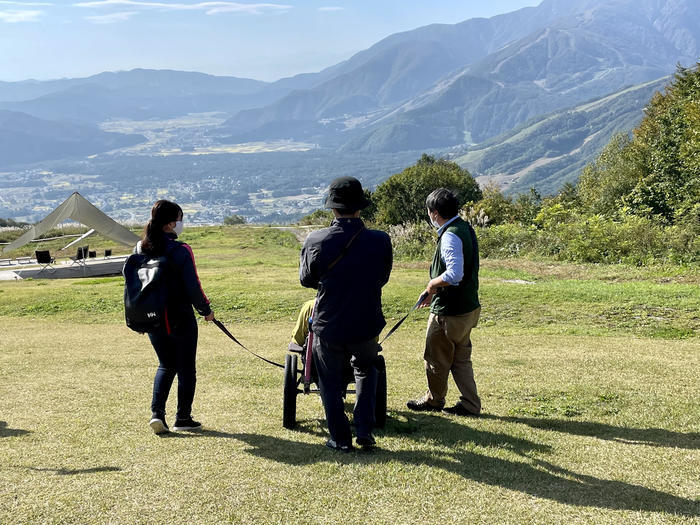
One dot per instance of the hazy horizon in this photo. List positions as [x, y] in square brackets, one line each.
[45, 40]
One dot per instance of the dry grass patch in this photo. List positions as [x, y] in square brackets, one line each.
[577, 430]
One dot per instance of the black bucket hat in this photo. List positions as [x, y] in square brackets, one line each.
[346, 193]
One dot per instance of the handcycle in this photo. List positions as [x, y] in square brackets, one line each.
[304, 380]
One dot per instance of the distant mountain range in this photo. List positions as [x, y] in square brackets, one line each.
[78, 104]
[25, 139]
[503, 95]
[137, 94]
[440, 86]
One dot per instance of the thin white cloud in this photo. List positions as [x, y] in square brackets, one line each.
[331, 8]
[210, 8]
[253, 9]
[112, 18]
[15, 17]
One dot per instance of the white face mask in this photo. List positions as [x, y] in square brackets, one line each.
[434, 222]
[178, 228]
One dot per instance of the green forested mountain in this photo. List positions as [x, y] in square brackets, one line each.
[549, 151]
[637, 202]
[527, 98]
[513, 68]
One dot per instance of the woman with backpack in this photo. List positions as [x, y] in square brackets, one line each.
[176, 342]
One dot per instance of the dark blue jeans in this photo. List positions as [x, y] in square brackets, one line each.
[176, 353]
[331, 360]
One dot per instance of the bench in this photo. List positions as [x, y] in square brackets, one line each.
[24, 260]
[5, 262]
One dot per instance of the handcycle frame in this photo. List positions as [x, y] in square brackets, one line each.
[300, 381]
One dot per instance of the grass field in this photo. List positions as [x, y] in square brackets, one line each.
[588, 378]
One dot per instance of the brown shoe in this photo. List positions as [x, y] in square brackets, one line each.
[459, 410]
[423, 405]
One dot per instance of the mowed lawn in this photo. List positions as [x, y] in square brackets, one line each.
[588, 377]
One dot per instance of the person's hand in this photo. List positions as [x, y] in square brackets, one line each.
[209, 317]
[427, 299]
[433, 286]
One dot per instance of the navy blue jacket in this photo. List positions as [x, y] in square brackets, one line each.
[349, 305]
[184, 288]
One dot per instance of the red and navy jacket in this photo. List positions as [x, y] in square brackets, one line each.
[184, 288]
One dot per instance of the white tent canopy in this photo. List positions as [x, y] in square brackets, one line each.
[79, 209]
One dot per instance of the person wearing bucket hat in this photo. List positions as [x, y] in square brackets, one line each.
[348, 264]
[346, 195]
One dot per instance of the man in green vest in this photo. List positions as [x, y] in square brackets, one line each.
[452, 294]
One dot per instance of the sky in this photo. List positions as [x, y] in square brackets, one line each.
[262, 40]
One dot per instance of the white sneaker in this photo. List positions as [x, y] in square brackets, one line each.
[159, 426]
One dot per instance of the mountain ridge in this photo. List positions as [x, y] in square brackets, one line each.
[27, 139]
[581, 50]
[442, 87]
[548, 151]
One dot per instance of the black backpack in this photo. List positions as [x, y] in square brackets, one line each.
[146, 291]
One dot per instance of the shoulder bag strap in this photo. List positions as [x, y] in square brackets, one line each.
[344, 251]
[332, 264]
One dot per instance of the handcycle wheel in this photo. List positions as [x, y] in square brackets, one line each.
[380, 404]
[289, 401]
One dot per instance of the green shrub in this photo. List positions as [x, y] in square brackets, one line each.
[401, 198]
[632, 240]
[506, 240]
[412, 241]
[317, 217]
[231, 220]
[635, 240]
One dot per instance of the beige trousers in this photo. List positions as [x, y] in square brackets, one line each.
[448, 348]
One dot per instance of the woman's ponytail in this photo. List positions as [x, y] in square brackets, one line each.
[153, 237]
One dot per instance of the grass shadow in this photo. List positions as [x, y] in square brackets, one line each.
[72, 472]
[657, 437]
[205, 432]
[11, 432]
[446, 431]
[531, 475]
[311, 426]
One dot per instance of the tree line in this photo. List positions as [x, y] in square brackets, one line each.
[638, 202]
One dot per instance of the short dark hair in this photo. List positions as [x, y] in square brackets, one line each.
[444, 202]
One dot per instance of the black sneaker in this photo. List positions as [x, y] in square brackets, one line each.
[423, 405]
[366, 442]
[459, 410]
[158, 425]
[186, 424]
[340, 448]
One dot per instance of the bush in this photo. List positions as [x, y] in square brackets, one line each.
[494, 205]
[10, 223]
[596, 239]
[413, 241]
[316, 217]
[506, 240]
[401, 198]
[633, 240]
[231, 220]
[636, 240]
